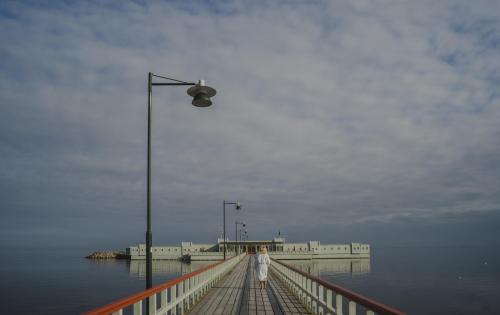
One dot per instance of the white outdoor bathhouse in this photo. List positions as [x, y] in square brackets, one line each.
[277, 247]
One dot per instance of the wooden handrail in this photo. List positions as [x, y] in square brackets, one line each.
[120, 304]
[358, 298]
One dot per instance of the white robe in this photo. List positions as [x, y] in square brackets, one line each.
[263, 261]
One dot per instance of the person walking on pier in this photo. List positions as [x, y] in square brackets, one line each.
[263, 262]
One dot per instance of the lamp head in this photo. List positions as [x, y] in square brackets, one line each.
[201, 94]
[238, 205]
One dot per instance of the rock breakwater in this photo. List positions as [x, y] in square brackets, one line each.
[106, 255]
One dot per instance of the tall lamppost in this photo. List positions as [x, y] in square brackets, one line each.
[201, 98]
[236, 232]
[237, 206]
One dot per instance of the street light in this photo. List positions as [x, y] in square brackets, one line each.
[237, 206]
[201, 98]
[243, 236]
[236, 232]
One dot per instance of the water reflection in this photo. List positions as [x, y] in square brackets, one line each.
[137, 268]
[316, 267]
[332, 267]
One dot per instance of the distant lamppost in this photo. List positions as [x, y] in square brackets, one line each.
[241, 239]
[201, 98]
[237, 206]
[236, 232]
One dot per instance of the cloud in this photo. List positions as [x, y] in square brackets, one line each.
[327, 113]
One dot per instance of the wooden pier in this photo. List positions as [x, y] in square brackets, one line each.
[232, 287]
[239, 293]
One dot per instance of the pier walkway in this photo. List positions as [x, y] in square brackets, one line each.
[231, 287]
[239, 293]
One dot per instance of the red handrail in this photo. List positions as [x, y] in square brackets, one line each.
[121, 304]
[375, 306]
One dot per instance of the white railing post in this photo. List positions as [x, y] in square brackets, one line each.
[203, 284]
[190, 294]
[163, 295]
[338, 299]
[369, 312]
[296, 284]
[309, 291]
[152, 304]
[138, 308]
[186, 294]
[204, 280]
[304, 290]
[352, 308]
[321, 299]
[329, 300]
[207, 282]
[314, 297]
[194, 286]
[196, 289]
[180, 295]
[173, 298]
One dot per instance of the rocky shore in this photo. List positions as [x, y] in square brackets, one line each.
[106, 255]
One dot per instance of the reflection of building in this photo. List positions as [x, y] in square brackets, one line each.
[333, 266]
[278, 248]
[164, 267]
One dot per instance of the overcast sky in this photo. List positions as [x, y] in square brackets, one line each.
[372, 121]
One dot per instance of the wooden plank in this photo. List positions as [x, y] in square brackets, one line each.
[232, 307]
[228, 300]
[226, 296]
[289, 303]
[258, 302]
[223, 297]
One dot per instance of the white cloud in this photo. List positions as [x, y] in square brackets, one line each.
[331, 112]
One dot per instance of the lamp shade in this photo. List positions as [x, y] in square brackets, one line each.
[201, 94]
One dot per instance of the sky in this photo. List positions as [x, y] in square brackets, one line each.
[338, 121]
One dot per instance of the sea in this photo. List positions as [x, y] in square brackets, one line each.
[415, 279]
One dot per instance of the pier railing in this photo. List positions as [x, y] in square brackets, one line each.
[173, 297]
[322, 297]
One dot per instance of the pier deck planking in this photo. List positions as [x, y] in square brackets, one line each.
[239, 293]
[288, 302]
[224, 296]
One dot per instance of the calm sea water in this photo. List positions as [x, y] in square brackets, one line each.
[62, 282]
[417, 280]
[421, 280]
